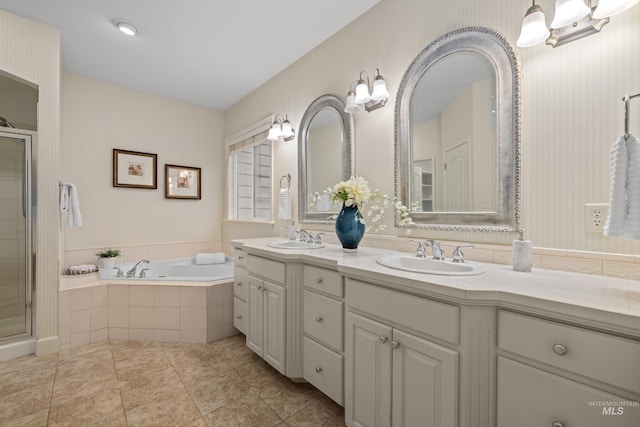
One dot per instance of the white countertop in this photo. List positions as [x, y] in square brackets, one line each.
[597, 301]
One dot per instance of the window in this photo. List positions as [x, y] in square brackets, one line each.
[249, 177]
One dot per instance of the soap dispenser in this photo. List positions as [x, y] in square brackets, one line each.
[292, 230]
[522, 254]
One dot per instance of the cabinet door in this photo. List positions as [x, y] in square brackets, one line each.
[274, 316]
[425, 379]
[368, 372]
[254, 324]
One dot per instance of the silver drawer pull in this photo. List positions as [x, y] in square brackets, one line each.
[318, 280]
[238, 283]
[319, 319]
[395, 344]
[383, 339]
[557, 424]
[318, 369]
[559, 349]
[239, 316]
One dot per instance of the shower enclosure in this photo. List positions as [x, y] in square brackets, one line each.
[16, 220]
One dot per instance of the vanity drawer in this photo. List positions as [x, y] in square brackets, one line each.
[240, 284]
[323, 319]
[240, 258]
[269, 269]
[240, 314]
[603, 357]
[324, 369]
[323, 280]
[529, 397]
[433, 318]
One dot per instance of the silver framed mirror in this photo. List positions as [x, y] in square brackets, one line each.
[325, 156]
[457, 134]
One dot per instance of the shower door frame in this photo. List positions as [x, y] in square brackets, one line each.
[29, 210]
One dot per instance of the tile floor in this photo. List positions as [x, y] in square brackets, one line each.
[138, 383]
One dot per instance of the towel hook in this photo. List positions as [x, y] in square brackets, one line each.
[288, 177]
[627, 110]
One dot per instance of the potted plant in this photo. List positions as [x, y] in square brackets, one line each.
[107, 258]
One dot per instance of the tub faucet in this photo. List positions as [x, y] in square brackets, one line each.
[134, 269]
[438, 253]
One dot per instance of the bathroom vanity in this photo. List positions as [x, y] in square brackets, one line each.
[399, 348]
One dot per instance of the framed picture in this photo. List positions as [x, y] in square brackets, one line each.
[134, 169]
[182, 182]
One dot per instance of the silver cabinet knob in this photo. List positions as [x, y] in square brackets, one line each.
[318, 280]
[557, 424]
[319, 319]
[383, 339]
[238, 283]
[319, 369]
[239, 316]
[559, 349]
[395, 344]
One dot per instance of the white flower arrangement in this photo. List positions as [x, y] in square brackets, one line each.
[357, 192]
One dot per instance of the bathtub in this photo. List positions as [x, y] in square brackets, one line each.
[175, 270]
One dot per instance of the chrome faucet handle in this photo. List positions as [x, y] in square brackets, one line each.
[420, 252]
[119, 272]
[143, 273]
[305, 236]
[318, 238]
[438, 253]
[458, 255]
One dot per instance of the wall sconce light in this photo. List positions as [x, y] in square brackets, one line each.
[573, 19]
[281, 129]
[372, 100]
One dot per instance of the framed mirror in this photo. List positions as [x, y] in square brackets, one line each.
[325, 156]
[457, 130]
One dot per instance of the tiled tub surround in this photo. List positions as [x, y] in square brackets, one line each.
[190, 312]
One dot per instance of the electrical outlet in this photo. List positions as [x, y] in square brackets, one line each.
[595, 215]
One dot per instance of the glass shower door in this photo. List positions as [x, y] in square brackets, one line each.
[15, 236]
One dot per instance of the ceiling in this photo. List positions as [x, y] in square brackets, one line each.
[205, 52]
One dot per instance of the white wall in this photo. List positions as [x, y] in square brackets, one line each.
[98, 117]
[571, 108]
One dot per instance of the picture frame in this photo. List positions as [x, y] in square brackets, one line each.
[182, 182]
[133, 169]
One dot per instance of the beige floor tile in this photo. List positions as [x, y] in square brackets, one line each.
[151, 387]
[25, 402]
[86, 410]
[290, 399]
[173, 411]
[38, 419]
[132, 363]
[245, 412]
[324, 412]
[117, 420]
[257, 373]
[214, 391]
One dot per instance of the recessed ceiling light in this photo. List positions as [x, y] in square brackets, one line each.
[125, 27]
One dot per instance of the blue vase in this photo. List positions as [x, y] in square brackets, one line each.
[349, 228]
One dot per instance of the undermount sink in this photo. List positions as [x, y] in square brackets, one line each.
[428, 265]
[295, 244]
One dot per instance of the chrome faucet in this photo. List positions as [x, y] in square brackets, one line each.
[318, 238]
[134, 269]
[305, 236]
[458, 255]
[420, 252]
[438, 253]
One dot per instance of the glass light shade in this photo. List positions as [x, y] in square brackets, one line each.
[608, 8]
[380, 91]
[568, 12]
[287, 130]
[534, 29]
[274, 132]
[362, 93]
[351, 106]
[127, 29]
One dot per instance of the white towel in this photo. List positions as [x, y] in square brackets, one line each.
[284, 207]
[624, 200]
[70, 203]
[210, 258]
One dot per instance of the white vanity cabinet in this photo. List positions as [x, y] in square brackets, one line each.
[394, 374]
[266, 304]
[323, 326]
[240, 291]
[559, 375]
